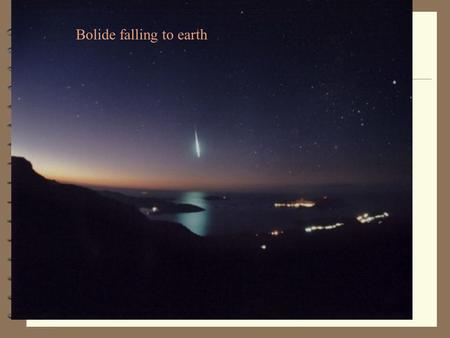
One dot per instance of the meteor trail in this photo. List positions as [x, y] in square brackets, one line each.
[197, 144]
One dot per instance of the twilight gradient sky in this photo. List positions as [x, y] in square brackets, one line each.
[315, 92]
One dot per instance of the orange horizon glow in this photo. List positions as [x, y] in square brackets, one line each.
[159, 185]
[126, 175]
[113, 177]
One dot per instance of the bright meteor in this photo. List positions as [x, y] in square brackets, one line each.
[197, 144]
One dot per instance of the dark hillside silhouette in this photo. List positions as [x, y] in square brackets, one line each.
[78, 254]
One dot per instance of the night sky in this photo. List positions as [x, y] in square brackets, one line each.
[311, 93]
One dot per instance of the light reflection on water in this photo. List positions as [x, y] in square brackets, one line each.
[195, 221]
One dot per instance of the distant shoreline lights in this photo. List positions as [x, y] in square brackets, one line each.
[276, 233]
[366, 218]
[301, 203]
[147, 211]
[323, 227]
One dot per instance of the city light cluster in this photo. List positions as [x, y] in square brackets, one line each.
[366, 218]
[276, 233]
[148, 211]
[323, 227]
[301, 203]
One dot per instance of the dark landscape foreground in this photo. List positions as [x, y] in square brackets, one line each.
[80, 254]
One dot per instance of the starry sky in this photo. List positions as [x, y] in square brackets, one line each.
[281, 95]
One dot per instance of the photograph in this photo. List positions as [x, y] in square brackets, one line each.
[202, 160]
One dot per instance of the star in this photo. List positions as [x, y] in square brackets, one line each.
[394, 82]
